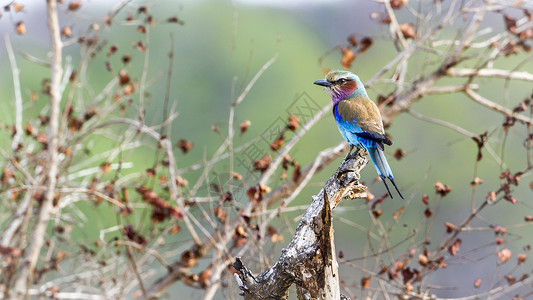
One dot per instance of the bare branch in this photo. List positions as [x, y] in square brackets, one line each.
[39, 232]
[310, 259]
[498, 73]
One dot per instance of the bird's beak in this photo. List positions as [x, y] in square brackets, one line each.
[323, 82]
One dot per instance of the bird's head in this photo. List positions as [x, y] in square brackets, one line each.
[341, 84]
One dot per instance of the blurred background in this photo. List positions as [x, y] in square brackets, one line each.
[220, 45]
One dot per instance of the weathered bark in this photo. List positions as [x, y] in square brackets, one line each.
[309, 261]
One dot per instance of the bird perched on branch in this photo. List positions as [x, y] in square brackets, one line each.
[358, 119]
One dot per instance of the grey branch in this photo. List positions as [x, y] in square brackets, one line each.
[309, 261]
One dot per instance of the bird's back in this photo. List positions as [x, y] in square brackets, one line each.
[362, 112]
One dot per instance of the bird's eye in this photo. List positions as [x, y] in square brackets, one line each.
[341, 81]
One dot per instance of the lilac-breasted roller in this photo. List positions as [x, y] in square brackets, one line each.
[358, 119]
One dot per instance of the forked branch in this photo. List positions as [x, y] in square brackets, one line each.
[309, 261]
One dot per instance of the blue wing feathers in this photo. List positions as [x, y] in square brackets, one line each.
[373, 142]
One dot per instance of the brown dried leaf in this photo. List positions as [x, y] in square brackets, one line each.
[175, 20]
[294, 122]
[365, 282]
[140, 46]
[240, 231]
[150, 172]
[440, 262]
[204, 276]
[441, 189]
[525, 34]
[510, 198]
[66, 32]
[454, 248]
[75, 124]
[188, 258]
[366, 43]
[521, 257]
[422, 259]
[476, 181]
[244, 126]
[41, 138]
[28, 128]
[236, 176]
[184, 145]
[286, 161]
[149, 20]
[180, 181]
[112, 50]
[510, 23]
[142, 10]
[428, 213]
[123, 77]
[477, 283]
[175, 229]
[262, 164]
[425, 199]
[397, 4]
[409, 287]
[105, 167]
[253, 194]
[126, 58]
[296, 173]
[226, 197]
[510, 48]
[352, 40]
[221, 214]
[450, 227]
[408, 30]
[347, 57]
[263, 189]
[271, 230]
[20, 28]
[398, 213]
[528, 218]
[504, 255]
[17, 7]
[407, 274]
[399, 154]
[510, 279]
[133, 235]
[7, 174]
[498, 229]
[277, 143]
[275, 237]
[74, 5]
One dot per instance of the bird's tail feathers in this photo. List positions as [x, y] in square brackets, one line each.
[380, 162]
[382, 167]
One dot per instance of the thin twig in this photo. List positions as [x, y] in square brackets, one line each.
[496, 107]
[18, 95]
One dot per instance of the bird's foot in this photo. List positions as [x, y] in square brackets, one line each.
[361, 151]
[349, 153]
